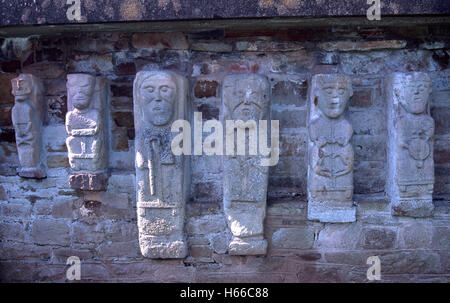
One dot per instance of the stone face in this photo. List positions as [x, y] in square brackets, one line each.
[245, 97]
[331, 156]
[410, 149]
[86, 125]
[160, 97]
[27, 118]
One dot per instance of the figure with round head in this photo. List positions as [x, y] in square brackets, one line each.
[86, 127]
[156, 93]
[330, 174]
[159, 99]
[245, 97]
[332, 94]
[27, 118]
[80, 89]
[413, 92]
[412, 131]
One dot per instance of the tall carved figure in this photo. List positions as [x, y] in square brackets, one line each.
[330, 169]
[162, 178]
[410, 149]
[245, 97]
[86, 125]
[27, 117]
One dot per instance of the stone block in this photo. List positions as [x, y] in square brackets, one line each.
[379, 238]
[50, 232]
[290, 93]
[294, 238]
[206, 89]
[174, 40]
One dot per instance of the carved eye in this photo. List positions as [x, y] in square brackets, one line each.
[329, 90]
[150, 89]
[164, 89]
[341, 91]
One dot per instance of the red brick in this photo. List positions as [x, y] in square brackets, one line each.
[159, 41]
[206, 89]
[6, 96]
[362, 98]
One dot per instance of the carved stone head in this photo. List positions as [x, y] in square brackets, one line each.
[22, 87]
[413, 91]
[332, 92]
[80, 89]
[246, 96]
[156, 93]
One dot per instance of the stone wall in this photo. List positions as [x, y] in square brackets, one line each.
[43, 222]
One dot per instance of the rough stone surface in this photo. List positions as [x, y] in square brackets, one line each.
[27, 118]
[33, 13]
[331, 156]
[101, 227]
[161, 177]
[411, 134]
[245, 97]
[87, 127]
[300, 238]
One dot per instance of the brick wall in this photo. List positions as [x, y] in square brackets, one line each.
[42, 222]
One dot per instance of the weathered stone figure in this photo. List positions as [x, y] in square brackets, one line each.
[27, 117]
[86, 126]
[411, 131]
[160, 98]
[330, 170]
[245, 97]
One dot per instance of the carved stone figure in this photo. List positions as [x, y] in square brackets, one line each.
[162, 179]
[86, 125]
[27, 117]
[245, 97]
[411, 131]
[330, 170]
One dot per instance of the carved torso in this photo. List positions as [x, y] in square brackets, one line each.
[415, 162]
[332, 155]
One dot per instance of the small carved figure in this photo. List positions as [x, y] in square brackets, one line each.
[412, 150]
[27, 118]
[86, 127]
[331, 152]
[162, 177]
[246, 98]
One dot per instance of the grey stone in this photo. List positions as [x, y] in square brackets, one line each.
[410, 149]
[87, 126]
[300, 238]
[206, 225]
[27, 117]
[379, 238]
[245, 97]
[416, 235]
[162, 178]
[50, 231]
[331, 156]
[339, 236]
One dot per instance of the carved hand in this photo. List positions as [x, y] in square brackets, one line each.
[83, 132]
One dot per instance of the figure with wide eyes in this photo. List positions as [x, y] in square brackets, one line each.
[245, 97]
[331, 153]
[161, 177]
[86, 126]
[412, 144]
[27, 118]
